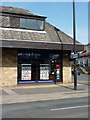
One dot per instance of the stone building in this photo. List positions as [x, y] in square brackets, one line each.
[32, 49]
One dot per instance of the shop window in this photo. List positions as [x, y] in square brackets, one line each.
[39, 65]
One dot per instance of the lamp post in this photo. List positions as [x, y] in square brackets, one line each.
[74, 47]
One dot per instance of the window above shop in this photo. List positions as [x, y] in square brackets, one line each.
[88, 48]
[32, 24]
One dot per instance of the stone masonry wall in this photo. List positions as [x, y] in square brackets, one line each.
[8, 21]
[9, 67]
[67, 75]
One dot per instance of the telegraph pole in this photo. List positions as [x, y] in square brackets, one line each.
[74, 47]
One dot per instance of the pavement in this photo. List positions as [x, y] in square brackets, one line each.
[41, 92]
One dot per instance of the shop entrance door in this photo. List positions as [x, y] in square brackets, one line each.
[35, 72]
[40, 72]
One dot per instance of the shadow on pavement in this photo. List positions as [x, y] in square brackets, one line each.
[67, 87]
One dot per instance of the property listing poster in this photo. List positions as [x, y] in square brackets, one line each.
[26, 72]
[44, 72]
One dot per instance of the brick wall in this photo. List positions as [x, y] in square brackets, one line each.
[9, 67]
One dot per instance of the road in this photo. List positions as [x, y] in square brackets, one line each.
[61, 108]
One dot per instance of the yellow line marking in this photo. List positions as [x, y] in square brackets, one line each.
[83, 81]
[44, 99]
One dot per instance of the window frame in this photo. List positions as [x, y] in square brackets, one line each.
[25, 23]
[36, 24]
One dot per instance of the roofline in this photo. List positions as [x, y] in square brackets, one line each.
[40, 41]
[63, 32]
[87, 44]
[16, 13]
[39, 45]
[23, 14]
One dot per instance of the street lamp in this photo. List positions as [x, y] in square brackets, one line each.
[74, 47]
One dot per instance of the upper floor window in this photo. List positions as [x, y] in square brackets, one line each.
[32, 24]
[88, 48]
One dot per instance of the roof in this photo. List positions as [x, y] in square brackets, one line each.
[87, 44]
[50, 35]
[57, 35]
[85, 54]
[22, 34]
[13, 10]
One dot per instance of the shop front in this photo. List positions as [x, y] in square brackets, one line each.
[39, 66]
[33, 50]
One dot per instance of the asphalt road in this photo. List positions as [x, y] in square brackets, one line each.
[63, 108]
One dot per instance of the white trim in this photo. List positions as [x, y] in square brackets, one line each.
[21, 40]
[38, 41]
[23, 30]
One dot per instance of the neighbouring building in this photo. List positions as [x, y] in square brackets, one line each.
[32, 49]
[84, 58]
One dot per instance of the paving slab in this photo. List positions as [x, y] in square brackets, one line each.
[4, 93]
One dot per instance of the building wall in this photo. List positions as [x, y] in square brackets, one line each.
[67, 76]
[9, 67]
[8, 21]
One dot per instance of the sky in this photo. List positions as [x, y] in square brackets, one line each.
[60, 15]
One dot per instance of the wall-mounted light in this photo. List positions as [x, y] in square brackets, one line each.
[44, 44]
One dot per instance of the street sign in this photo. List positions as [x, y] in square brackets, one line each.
[73, 56]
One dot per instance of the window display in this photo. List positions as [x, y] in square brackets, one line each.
[44, 71]
[26, 72]
[38, 65]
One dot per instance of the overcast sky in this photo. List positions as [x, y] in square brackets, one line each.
[59, 14]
